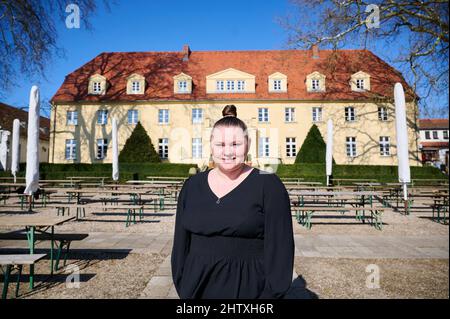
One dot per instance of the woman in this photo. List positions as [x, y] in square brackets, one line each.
[233, 230]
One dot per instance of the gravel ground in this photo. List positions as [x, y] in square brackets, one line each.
[399, 278]
[102, 275]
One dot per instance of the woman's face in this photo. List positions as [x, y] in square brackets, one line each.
[229, 146]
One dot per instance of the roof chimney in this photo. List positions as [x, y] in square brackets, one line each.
[186, 52]
[315, 51]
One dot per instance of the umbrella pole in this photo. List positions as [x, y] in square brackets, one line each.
[328, 180]
[30, 200]
[405, 198]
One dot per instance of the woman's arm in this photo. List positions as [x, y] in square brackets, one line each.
[278, 238]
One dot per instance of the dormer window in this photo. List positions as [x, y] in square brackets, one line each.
[315, 82]
[360, 81]
[182, 84]
[97, 84]
[135, 84]
[230, 81]
[277, 82]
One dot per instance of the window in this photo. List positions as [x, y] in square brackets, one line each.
[290, 147]
[382, 114]
[163, 116]
[289, 114]
[71, 150]
[72, 117]
[182, 86]
[102, 117]
[263, 147]
[197, 115]
[360, 84]
[263, 115]
[230, 85]
[350, 146]
[317, 114]
[445, 135]
[315, 84]
[427, 135]
[102, 148]
[277, 85]
[220, 86]
[163, 148]
[435, 135]
[241, 85]
[96, 87]
[135, 87]
[132, 117]
[385, 146]
[350, 114]
[196, 148]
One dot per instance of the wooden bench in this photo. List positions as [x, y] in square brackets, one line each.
[18, 261]
[81, 210]
[63, 241]
[304, 214]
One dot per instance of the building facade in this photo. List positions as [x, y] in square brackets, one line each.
[178, 96]
[434, 142]
[8, 114]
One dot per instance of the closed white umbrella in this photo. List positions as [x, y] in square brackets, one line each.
[329, 151]
[115, 149]
[32, 170]
[404, 174]
[4, 136]
[15, 148]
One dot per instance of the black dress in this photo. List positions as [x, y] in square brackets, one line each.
[238, 246]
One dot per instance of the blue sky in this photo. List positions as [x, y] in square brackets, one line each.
[150, 25]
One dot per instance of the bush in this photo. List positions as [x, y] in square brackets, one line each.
[313, 149]
[139, 148]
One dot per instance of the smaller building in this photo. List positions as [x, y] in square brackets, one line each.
[8, 114]
[433, 142]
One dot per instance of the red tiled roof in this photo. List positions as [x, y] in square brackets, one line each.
[434, 144]
[433, 124]
[9, 113]
[158, 68]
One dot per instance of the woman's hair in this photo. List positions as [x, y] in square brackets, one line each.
[230, 118]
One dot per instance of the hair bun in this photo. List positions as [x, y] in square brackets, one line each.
[229, 110]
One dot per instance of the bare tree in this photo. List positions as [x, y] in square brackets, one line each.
[28, 35]
[412, 35]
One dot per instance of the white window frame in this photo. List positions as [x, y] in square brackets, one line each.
[71, 149]
[263, 115]
[385, 146]
[277, 85]
[289, 114]
[264, 147]
[291, 147]
[445, 134]
[350, 146]
[72, 117]
[163, 148]
[163, 116]
[240, 87]
[96, 87]
[134, 118]
[428, 135]
[182, 86]
[197, 149]
[102, 117]
[317, 114]
[135, 86]
[382, 113]
[349, 113]
[360, 84]
[220, 86]
[315, 84]
[197, 116]
[435, 135]
[102, 148]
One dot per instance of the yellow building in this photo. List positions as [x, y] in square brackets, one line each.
[178, 96]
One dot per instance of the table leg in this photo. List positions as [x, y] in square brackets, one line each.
[51, 249]
[31, 242]
[6, 281]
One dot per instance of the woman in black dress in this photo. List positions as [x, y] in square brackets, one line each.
[233, 230]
